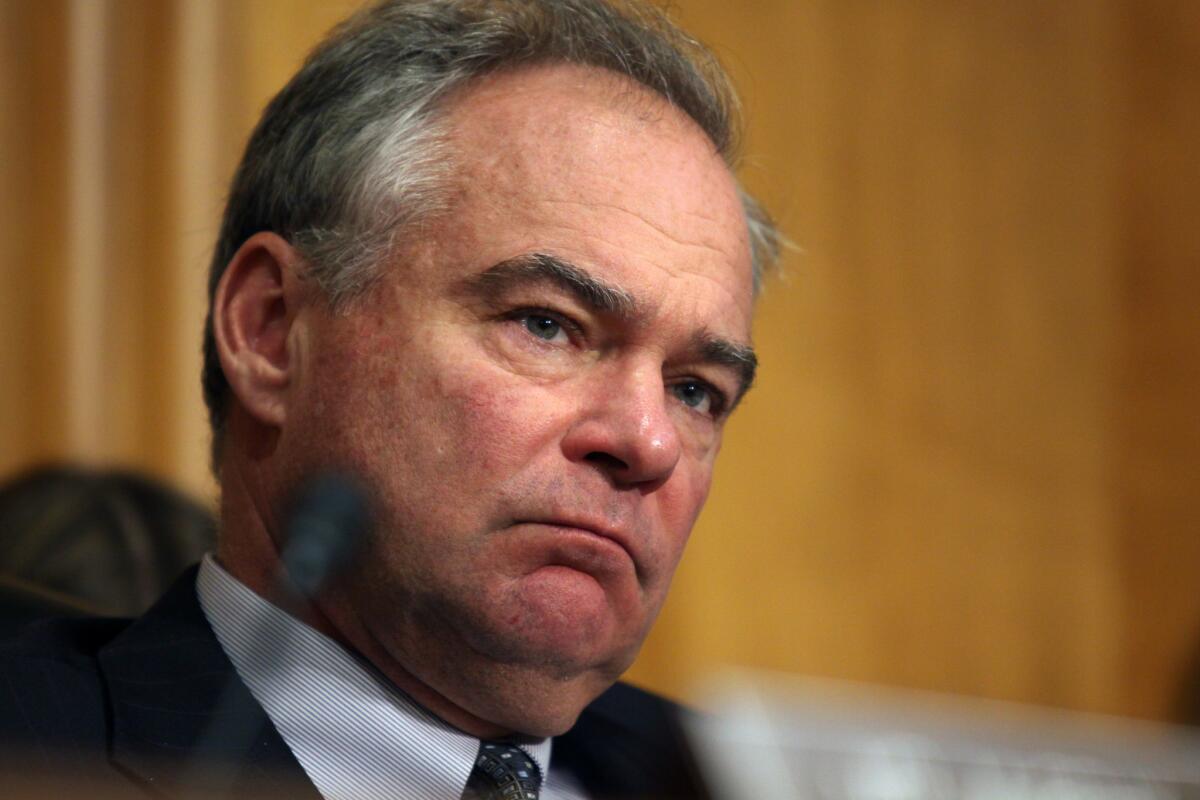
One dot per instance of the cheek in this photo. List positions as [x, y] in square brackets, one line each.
[499, 422]
[692, 496]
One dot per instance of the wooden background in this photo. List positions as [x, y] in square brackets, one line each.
[972, 461]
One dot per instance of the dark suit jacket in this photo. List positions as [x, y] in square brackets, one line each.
[155, 705]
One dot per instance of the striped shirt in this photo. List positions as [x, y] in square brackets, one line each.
[354, 733]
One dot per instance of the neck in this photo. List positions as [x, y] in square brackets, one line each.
[250, 543]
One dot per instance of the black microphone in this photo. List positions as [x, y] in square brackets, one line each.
[328, 523]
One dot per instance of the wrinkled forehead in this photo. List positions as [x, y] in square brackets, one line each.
[609, 168]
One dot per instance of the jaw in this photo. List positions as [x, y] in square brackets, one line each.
[484, 677]
[482, 695]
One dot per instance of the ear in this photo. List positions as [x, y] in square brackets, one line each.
[254, 310]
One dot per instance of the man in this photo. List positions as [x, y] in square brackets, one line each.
[490, 259]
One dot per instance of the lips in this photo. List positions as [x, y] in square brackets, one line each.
[616, 536]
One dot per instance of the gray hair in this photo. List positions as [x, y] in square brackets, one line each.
[348, 155]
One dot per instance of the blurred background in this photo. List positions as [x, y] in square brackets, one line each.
[972, 462]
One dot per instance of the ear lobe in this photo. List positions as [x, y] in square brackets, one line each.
[253, 312]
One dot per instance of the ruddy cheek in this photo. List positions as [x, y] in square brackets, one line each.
[496, 422]
[681, 501]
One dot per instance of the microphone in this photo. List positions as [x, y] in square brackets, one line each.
[328, 522]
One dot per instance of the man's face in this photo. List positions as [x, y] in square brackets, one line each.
[536, 391]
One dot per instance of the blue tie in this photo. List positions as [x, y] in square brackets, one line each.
[503, 772]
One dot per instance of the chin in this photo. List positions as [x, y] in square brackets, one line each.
[559, 622]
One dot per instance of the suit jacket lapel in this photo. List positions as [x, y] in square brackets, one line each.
[628, 744]
[182, 720]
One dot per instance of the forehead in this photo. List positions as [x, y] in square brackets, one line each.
[603, 172]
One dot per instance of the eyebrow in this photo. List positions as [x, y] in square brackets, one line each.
[608, 299]
[739, 357]
[540, 267]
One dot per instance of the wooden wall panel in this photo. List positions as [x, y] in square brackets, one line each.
[33, 207]
[936, 401]
[1158, 480]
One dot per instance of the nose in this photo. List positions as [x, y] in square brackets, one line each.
[625, 430]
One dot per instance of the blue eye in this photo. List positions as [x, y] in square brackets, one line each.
[541, 326]
[696, 395]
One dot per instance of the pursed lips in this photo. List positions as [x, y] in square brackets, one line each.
[615, 535]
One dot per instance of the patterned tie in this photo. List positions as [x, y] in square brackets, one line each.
[503, 772]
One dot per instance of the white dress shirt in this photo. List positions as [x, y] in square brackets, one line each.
[354, 733]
